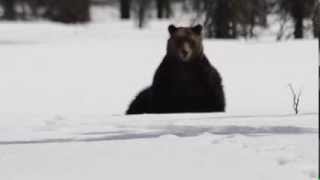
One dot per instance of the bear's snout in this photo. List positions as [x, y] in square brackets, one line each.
[185, 52]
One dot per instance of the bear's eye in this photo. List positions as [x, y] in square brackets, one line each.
[179, 40]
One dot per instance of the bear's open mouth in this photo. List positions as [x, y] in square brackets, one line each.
[185, 55]
[185, 51]
[184, 59]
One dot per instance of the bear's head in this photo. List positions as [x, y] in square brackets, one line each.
[185, 43]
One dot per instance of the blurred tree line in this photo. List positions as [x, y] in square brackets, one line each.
[66, 11]
[221, 18]
[234, 18]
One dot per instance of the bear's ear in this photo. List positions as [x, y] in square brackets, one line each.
[197, 29]
[172, 29]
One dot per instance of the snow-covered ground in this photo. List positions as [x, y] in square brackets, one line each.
[99, 68]
[64, 89]
[188, 146]
[203, 157]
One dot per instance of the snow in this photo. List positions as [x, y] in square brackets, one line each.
[99, 68]
[64, 90]
[186, 146]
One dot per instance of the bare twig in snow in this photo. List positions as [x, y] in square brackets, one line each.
[296, 98]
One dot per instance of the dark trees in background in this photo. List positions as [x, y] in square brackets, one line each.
[9, 9]
[141, 10]
[163, 8]
[35, 6]
[66, 11]
[222, 20]
[298, 10]
[316, 21]
[249, 14]
[125, 8]
[298, 15]
[238, 18]
[69, 11]
[232, 18]
[316, 24]
[218, 18]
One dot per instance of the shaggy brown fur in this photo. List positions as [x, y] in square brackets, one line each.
[185, 81]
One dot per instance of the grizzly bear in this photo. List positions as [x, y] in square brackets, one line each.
[185, 81]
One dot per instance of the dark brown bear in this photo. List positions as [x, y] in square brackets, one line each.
[185, 81]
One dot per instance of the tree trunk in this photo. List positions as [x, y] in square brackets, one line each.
[125, 7]
[234, 30]
[142, 13]
[160, 8]
[316, 21]
[168, 9]
[163, 9]
[298, 14]
[298, 28]
[9, 10]
[222, 16]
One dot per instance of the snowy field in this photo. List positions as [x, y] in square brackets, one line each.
[64, 90]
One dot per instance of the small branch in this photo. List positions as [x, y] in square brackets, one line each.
[296, 99]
